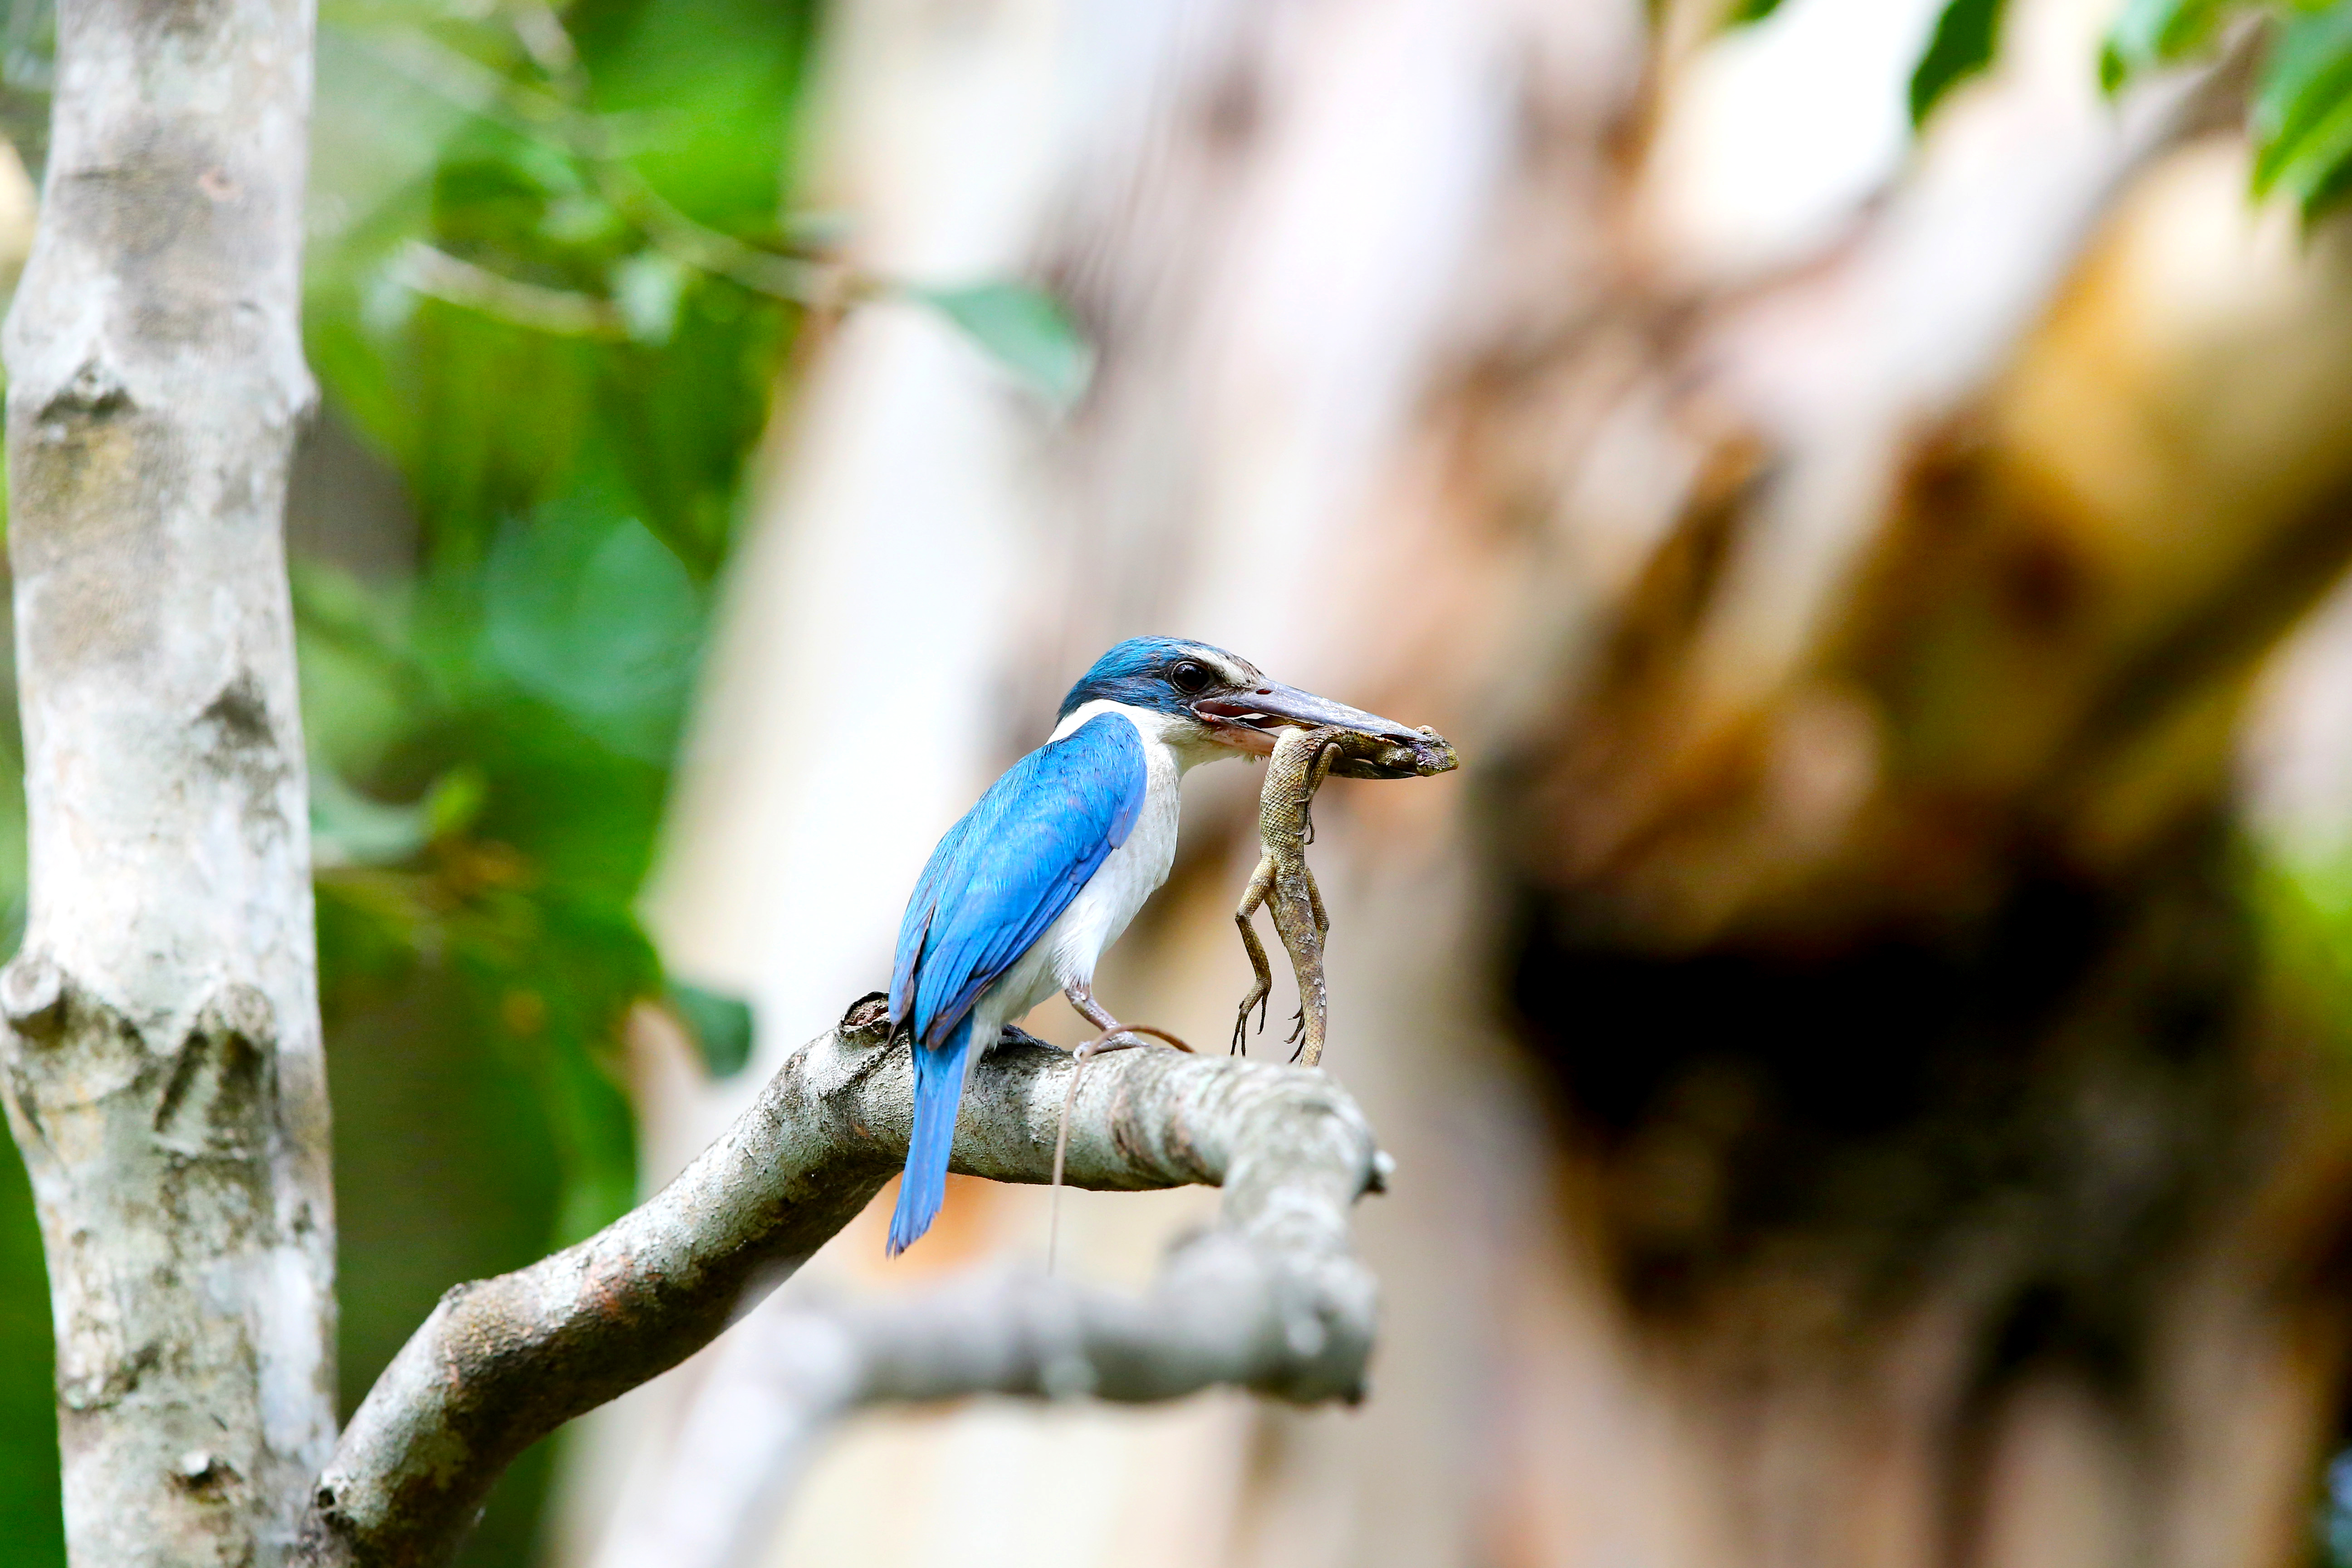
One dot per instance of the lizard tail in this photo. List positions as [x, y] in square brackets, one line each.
[938, 1090]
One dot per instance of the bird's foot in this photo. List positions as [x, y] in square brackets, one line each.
[1094, 1013]
[1127, 1036]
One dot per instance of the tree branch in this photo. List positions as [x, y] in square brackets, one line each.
[1226, 1308]
[1274, 1300]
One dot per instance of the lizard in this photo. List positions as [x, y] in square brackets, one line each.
[1303, 758]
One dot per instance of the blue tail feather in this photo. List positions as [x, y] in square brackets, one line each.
[939, 1091]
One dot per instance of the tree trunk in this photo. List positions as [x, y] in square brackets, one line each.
[164, 1077]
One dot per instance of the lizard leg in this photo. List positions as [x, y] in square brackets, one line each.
[1260, 883]
[1320, 770]
[1311, 923]
[1303, 936]
[1294, 919]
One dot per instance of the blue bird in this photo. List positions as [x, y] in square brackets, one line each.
[1023, 894]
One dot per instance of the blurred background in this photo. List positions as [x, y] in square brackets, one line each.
[1865, 484]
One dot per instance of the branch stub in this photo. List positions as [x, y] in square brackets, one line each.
[33, 995]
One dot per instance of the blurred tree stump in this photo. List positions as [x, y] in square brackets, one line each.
[1943, 1117]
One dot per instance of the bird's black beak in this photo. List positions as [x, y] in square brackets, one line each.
[1248, 719]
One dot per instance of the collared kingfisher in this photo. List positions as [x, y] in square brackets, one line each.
[1023, 894]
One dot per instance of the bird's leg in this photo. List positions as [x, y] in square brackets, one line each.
[1116, 1036]
[1260, 884]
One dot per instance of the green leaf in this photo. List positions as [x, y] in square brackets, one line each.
[1744, 12]
[1962, 46]
[587, 611]
[2152, 33]
[347, 828]
[1025, 332]
[718, 78]
[721, 1027]
[2302, 117]
[456, 800]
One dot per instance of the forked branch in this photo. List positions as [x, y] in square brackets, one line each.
[1272, 1300]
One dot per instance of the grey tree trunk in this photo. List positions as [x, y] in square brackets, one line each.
[164, 1079]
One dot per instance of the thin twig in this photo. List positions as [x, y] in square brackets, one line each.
[563, 312]
[602, 142]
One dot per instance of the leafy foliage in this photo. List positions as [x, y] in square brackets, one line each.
[1744, 11]
[1962, 46]
[549, 282]
[2302, 111]
[2152, 33]
[2301, 121]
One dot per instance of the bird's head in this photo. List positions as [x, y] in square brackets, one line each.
[1207, 699]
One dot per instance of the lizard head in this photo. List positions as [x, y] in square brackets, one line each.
[1227, 701]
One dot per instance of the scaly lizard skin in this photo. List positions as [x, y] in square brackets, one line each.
[1302, 759]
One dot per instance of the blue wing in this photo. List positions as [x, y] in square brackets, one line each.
[1003, 873]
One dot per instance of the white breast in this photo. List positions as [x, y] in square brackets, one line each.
[1132, 872]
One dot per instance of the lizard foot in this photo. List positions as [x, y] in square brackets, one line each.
[1240, 1047]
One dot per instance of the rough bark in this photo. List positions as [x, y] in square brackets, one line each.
[501, 1363]
[163, 1075]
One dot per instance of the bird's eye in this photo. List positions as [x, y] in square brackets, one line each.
[1189, 676]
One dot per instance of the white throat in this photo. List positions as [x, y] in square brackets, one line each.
[1180, 739]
